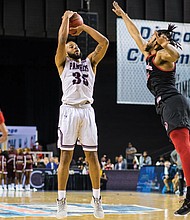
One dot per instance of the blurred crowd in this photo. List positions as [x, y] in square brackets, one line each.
[16, 166]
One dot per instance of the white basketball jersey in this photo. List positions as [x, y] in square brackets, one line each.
[77, 82]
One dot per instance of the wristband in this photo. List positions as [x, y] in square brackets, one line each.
[2, 120]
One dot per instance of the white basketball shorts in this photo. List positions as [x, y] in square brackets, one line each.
[77, 123]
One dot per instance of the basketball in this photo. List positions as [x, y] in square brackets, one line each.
[76, 20]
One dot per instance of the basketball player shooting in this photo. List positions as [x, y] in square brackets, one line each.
[3, 128]
[76, 117]
[161, 56]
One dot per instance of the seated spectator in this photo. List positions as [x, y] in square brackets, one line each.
[145, 159]
[120, 165]
[180, 175]
[46, 160]
[160, 161]
[103, 162]
[52, 165]
[56, 160]
[80, 162]
[40, 163]
[109, 165]
[169, 177]
[85, 169]
[135, 163]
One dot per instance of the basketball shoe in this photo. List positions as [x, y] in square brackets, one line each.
[61, 208]
[185, 208]
[97, 205]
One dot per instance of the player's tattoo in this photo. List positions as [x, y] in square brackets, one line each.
[97, 50]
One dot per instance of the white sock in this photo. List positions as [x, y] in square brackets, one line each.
[61, 194]
[96, 193]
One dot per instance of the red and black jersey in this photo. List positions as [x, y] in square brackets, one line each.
[161, 83]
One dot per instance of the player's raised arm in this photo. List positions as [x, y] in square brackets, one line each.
[97, 55]
[171, 54]
[62, 39]
[100, 50]
[132, 29]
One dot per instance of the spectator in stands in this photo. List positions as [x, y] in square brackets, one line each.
[181, 182]
[161, 161]
[103, 162]
[145, 159]
[46, 160]
[109, 165]
[169, 177]
[56, 160]
[38, 147]
[120, 165]
[85, 169]
[116, 159]
[80, 162]
[135, 163]
[130, 154]
[40, 163]
[52, 165]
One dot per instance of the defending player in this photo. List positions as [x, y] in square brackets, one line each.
[161, 57]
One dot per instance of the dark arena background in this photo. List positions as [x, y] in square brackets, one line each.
[30, 86]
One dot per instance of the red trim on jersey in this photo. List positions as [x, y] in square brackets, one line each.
[2, 119]
[161, 68]
[150, 55]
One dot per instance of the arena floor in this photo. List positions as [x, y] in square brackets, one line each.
[117, 205]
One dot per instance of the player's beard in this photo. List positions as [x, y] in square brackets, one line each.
[75, 56]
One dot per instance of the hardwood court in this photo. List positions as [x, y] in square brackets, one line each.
[117, 205]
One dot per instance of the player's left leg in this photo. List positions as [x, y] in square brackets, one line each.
[180, 138]
[94, 171]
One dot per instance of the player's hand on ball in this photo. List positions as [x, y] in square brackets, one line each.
[75, 31]
[68, 14]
